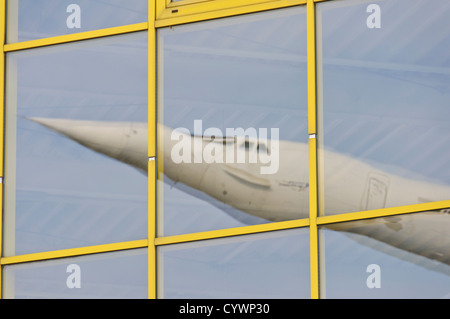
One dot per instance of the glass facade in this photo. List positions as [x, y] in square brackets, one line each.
[269, 265]
[30, 19]
[60, 99]
[229, 128]
[402, 256]
[114, 275]
[287, 149]
[385, 134]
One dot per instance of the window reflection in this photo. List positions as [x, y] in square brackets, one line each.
[384, 104]
[72, 126]
[116, 275]
[233, 126]
[403, 256]
[31, 19]
[271, 265]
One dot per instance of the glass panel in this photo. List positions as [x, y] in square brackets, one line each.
[241, 84]
[36, 19]
[73, 126]
[271, 265]
[120, 275]
[404, 256]
[384, 103]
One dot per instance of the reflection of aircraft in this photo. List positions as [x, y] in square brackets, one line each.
[352, 185]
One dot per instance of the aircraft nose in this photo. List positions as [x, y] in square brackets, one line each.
[124, 141]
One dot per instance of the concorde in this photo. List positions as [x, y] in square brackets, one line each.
[284, 193]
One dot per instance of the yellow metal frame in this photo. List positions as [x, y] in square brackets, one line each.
[173, 13]
[163, 13]
[2, 112]
[152, 177]
[75, 37]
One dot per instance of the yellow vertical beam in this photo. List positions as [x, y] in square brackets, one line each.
[2, 81]
[151, 149]
[320, 160]
[2, 111]
[151, 229]
[313, 230]
[151, 80]
[311, 56]
[311, 64]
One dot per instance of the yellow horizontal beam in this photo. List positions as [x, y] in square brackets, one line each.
[232, 232]
[74, 252]
[75, 37]
[184, 2]
[323, 220]
[188, 2]
[217, 9]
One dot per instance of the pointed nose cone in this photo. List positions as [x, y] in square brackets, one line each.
[124, 141]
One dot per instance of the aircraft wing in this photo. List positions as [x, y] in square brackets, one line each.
[409, 237]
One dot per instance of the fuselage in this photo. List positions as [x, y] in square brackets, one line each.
[233, 170]
[269, 179]
[236, 175]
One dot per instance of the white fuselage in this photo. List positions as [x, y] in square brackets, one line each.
[349, 184]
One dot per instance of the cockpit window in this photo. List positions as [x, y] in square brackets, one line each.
[262, 148]
[247, 145]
